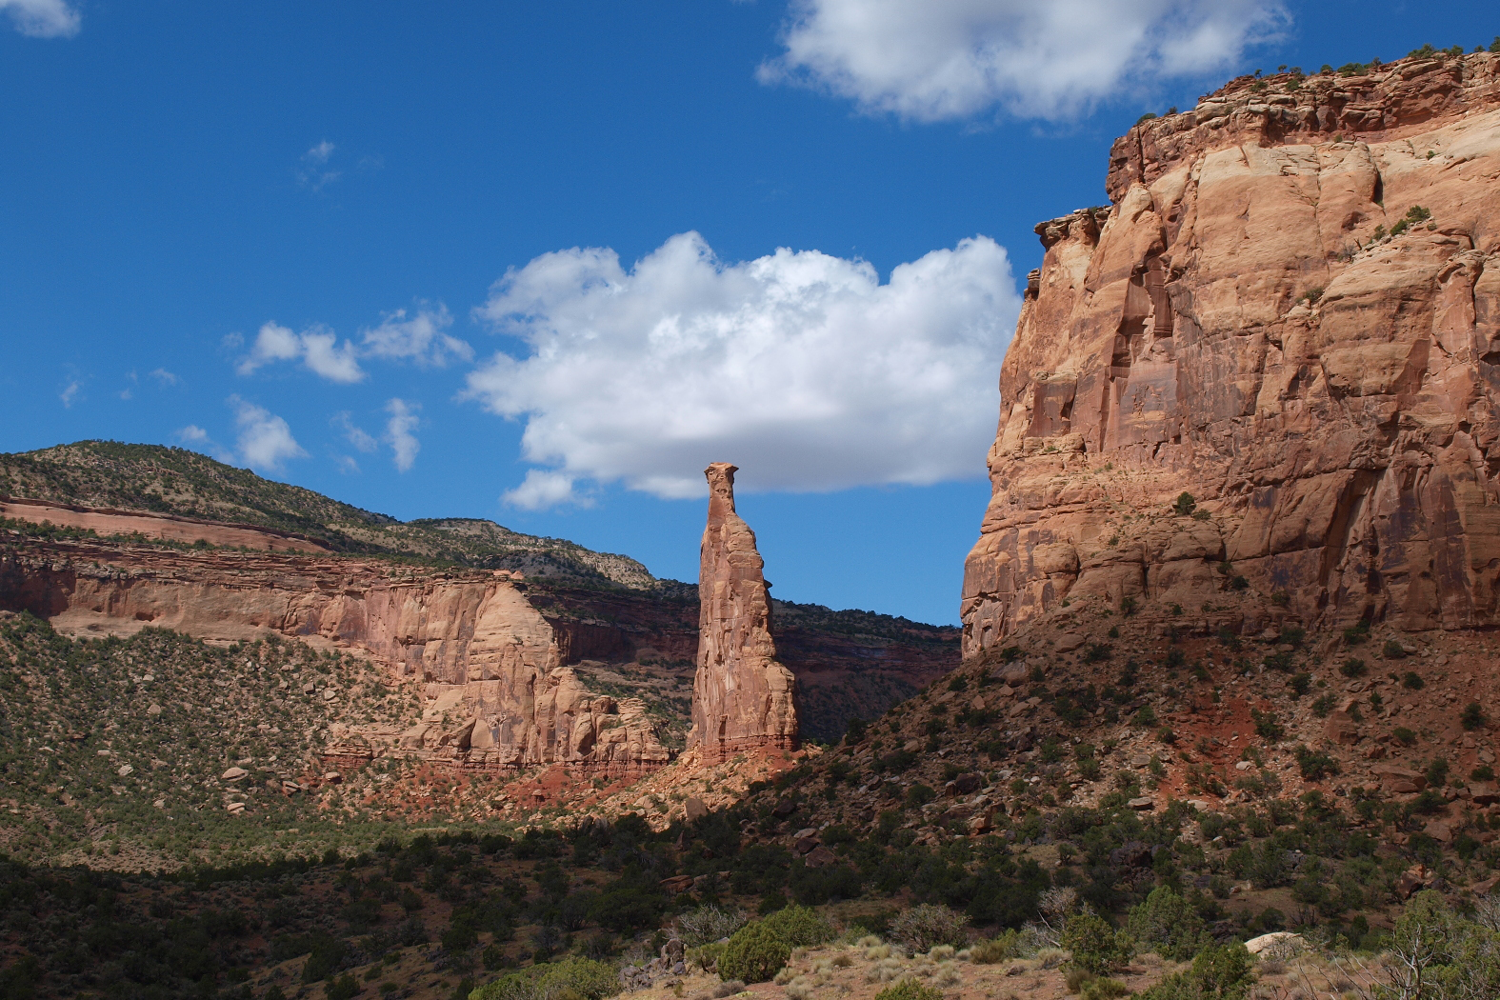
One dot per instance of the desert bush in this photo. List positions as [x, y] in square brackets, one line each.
[921, 927]
[706, 956]
[707, 924]
[997, 950]
[1218, 973]
[1169, 924]
[1103, 989]
[1096, 946]
[800, 926]
[754, 953]
[580, 977]
[909, 989]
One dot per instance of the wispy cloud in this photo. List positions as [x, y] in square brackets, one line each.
[316, 170]
[399, 433]
[70, 391]
[265, 441]
[353, 433]
[164, 377]
[42, 18]
[420, 338]
[316, 347]
[542, 489]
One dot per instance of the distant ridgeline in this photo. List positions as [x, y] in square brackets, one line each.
[186, 484]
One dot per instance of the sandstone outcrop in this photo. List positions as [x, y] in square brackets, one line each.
[497, 696]
[743, 699]
[1290, 311]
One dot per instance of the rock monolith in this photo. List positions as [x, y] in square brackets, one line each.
[743, 699]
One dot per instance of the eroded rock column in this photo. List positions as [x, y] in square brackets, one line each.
[743, 699]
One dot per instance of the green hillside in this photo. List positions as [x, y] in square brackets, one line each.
[177, 481]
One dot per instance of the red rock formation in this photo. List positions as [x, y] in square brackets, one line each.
[742, 697]
[1291, 311]
[498, 697]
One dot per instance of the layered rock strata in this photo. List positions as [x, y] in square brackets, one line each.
[743, 699]
[497, 695]
[1291, 311]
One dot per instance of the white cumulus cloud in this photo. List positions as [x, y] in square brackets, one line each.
[420, 338]
[316, 347]
[399, 433]
[940, 59]
[800, 367]
[265, 441]
[42, 18]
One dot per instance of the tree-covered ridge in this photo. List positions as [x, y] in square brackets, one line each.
[184, 483]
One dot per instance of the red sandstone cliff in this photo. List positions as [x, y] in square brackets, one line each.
[742, 697]
[496, 694]
[1291, 310]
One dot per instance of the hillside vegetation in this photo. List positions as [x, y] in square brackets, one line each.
[184, 483]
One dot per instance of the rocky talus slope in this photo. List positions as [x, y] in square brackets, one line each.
[1291, 311]
[743, 698]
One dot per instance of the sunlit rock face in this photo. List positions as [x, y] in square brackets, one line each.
[1290, 310]
[743, 699]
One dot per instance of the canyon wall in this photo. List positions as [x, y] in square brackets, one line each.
[1290, 311]
[496, 693]
[743, 699]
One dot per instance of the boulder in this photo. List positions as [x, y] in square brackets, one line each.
[1277, 945]
[234, 773]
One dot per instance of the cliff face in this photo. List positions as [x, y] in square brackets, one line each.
[496, 694]
[742, 697]
[1291, 310]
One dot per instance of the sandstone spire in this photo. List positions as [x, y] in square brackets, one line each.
[742, 697]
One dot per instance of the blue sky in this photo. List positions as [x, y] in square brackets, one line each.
[542, 262]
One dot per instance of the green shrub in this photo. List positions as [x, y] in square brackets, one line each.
[1218, 973]
[1169, 924]
[1184, 504]
[582, 977]
[1353, 667]
[1412, 681]
[923, 926]
[1393, 650]
[706, 956]
[1266, 726]
[342, 988]
[997, 950]
[1315, 764]
[1103, 989]
[1404, 736]
[1473, 717]
[754, 954]
[801, 926]
[1096, 946]
[909, 989]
